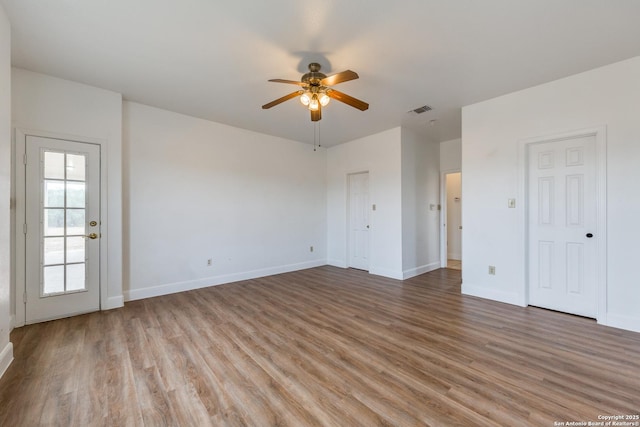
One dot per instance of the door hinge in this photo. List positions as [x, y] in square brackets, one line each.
[24, 297]
[24, 228]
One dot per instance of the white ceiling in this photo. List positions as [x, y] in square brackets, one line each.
[212, 58]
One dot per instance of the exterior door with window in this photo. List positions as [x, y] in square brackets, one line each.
[62, 228]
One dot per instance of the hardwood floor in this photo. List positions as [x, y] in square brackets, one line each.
[325, 346]
[454, 264]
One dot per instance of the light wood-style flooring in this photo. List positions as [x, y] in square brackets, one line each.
[321, 347]
[454, 264]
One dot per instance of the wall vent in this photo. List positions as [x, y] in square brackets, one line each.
[421, 110]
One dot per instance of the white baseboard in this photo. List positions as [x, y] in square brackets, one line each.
[114, 302]
[622, 322]
[391, 274]
[413, 272]
[171, 288]
[456, 256]
[492, 294]
[6, 357]
[337, 263]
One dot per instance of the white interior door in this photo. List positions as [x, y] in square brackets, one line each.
[62, 228]
[562, 225]
[359, 221]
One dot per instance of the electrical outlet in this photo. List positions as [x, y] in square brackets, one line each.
[492, 270]
[209, 262]
[310, 248]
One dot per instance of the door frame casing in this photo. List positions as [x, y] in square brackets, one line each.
[600, 135]
[20, 137]
[443, 216]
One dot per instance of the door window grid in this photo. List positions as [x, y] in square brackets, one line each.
[63, 218]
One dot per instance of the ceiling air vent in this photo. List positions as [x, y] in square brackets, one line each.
[421, 110]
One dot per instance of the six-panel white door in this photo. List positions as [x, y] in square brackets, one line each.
[359, 221]
[62, 225]
[562, 226]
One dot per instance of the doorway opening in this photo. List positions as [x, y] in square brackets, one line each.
[451, 219]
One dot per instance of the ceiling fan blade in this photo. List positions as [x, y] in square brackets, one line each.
[281, 100]
[344, 76]
[349, 100]
[316, 115]
[291, 82]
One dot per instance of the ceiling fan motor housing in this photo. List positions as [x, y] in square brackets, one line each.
[314, 76]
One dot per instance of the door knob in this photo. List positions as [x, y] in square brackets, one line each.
[589, 235]
[92, 236]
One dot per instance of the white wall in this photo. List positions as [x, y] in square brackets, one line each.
[451, 155]
[47, 104]
[380, 155]
[6, 349]
[196, 189]
[491, 135]
[420, 193]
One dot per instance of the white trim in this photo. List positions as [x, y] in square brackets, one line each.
[443, 216]
[171, 288]
[12, 322]
[391, 274]
[413, 272]
[622, 322]
[492, 294]
[600, 134]
[6, 357]
[114, 302]
[337, 263]
[20, 238]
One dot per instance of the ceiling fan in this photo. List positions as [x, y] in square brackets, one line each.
[316, 91]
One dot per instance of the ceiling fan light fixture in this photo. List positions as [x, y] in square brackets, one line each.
[324, 99]
[314, 104]
[305, 98]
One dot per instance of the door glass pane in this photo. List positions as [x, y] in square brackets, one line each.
[75, 194]
[75, 167]
[75, 249]
[53, 222]
[53, 165]
[75, 222]
[75, 277]
[53, 279]
[53, 194]
[64, 222]
[53, 250]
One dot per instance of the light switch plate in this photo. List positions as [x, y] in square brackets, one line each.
[511, 203]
